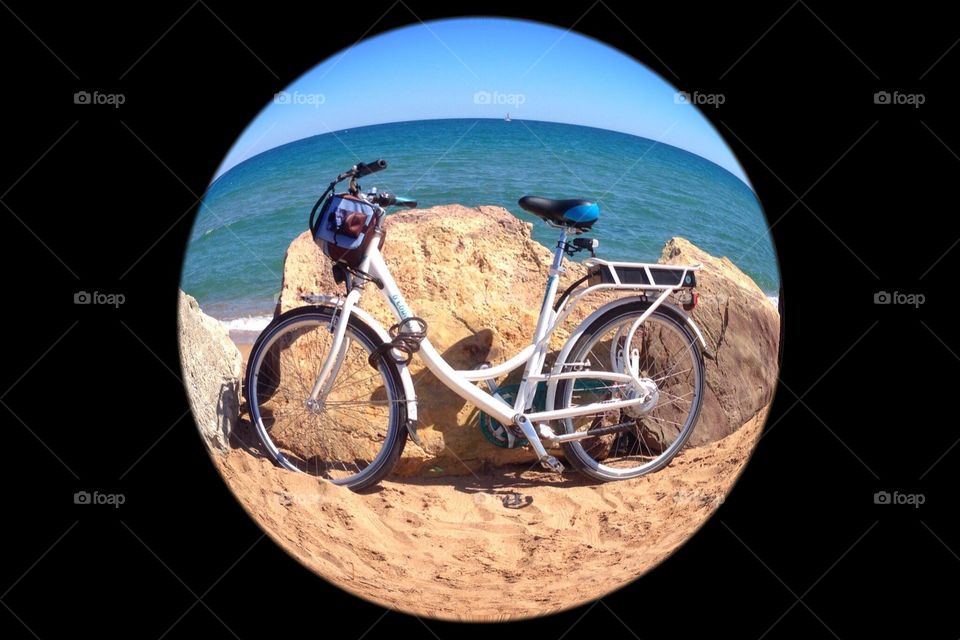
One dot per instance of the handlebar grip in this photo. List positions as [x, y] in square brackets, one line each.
[385, 199]
[365, 169]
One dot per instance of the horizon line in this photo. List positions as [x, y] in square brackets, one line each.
[744, 179]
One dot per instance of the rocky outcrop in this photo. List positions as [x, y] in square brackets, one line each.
[742, 329]
[477, 277]
[211, 367]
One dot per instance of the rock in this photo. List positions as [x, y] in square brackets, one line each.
[477, 277]
[742, 329]
[211, 373]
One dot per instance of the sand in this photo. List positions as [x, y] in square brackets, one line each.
[512, 544]
[244, 348]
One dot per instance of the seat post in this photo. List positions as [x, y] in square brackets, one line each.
[556, 268]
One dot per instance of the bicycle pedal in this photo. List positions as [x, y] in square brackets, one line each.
[551, 463]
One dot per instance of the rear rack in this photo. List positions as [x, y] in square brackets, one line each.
[637, 277]
[640, 274]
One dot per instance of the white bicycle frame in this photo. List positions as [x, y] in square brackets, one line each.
[533, 355]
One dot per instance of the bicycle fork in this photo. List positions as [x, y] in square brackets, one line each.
[338, 351]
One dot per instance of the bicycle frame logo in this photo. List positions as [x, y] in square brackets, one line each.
[403, 311]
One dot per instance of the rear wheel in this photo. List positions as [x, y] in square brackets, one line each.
[353, 436]
[666, 352]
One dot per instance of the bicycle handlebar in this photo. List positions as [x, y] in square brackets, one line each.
[365, 169]
[361, 169]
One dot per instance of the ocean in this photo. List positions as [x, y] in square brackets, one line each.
[648, 192]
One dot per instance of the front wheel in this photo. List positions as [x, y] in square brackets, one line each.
[664, 350]
[355, 434]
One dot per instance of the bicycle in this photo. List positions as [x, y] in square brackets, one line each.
[330, 393]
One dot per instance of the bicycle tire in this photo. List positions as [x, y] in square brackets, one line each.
[396, 431]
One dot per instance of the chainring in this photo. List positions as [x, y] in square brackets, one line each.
[496, 433]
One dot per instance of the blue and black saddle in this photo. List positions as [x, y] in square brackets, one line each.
[577, 214]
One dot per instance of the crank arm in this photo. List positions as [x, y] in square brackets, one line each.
[547, 460]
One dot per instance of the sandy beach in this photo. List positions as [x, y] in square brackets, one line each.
[244, 348]
[420, 544]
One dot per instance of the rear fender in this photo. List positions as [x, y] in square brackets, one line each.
[676, 312]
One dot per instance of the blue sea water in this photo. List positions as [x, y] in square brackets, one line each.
[648, 192]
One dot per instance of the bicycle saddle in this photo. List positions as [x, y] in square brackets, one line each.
[578, 214]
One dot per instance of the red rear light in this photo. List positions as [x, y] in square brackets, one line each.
[691, 304]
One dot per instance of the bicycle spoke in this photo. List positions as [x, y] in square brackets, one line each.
[370, 402]
[662, 378]
[667, 356]
[350, 431]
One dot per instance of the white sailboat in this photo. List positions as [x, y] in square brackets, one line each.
[507, 119]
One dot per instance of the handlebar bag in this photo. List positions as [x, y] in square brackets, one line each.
[343, 227]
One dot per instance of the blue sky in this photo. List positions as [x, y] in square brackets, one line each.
[481, 68]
